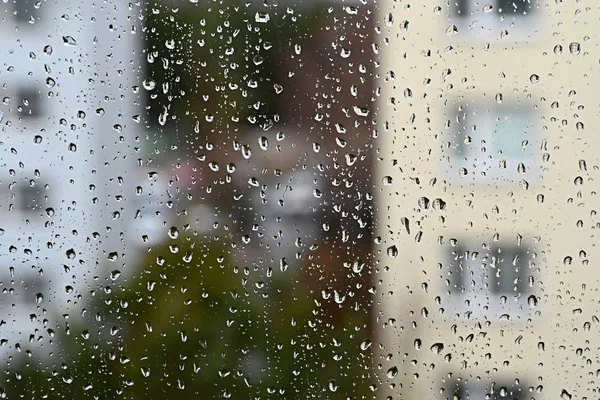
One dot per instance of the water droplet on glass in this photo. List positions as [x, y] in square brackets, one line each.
[70, 254]
[558, 49]
[115, 274]
[69, 41]
[575, 48]
[392, 251]
[437, 348]
[262, 17]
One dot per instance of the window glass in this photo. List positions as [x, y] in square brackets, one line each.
[324, 199]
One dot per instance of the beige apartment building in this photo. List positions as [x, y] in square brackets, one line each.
[488, 164]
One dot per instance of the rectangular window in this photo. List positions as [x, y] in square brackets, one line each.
[497, 390]
[465, 8]
[488, 278]
[490, 142]
[29, 198]
[24, 10]
[510, 275]
[516, 7]
[484, 20]
[461, 8]
[29, 103]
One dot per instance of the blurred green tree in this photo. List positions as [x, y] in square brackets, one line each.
[191, 324]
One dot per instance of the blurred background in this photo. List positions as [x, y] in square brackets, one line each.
[310, 199]
[188, 210]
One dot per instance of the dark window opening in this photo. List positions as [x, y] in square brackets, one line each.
[497, 391]
[24, 10]
[464, 8]
[510, 274]
[461, 8]
[29, 103]
[518, 7]
[504, 269]
[459, 268]
[29, 198]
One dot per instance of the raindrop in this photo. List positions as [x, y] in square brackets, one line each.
[148, 84]
[333, 386]
[392, 251]
[568, 260]
[263, 142]
[392, 372]
[558, 49]
[532, 301]
[69, 41]
[115, 274]
[418, 345]
[365, 344]
[575, 48]
[437, 348]
[173, 233]
[565, 395]
[439, 205]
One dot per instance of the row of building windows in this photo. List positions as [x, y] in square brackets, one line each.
[491, 390]
[24, 11]
[465, 8]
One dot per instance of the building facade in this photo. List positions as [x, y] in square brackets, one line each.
[70, 101]
[487, 210]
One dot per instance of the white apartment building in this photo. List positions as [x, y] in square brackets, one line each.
[488, 210]
[68, 76]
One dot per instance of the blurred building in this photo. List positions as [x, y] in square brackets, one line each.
[487, 208]
[70, 104]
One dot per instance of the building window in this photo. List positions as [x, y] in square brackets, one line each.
[516, 7]
[489, 278]
[31, 290]
[24, 10]
[29, 198]
[29, 103]
[497, 390]
[490, 142]
[510, 270]
[497, 8]
[492, 19]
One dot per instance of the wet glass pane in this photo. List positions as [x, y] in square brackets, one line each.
[299, 199]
